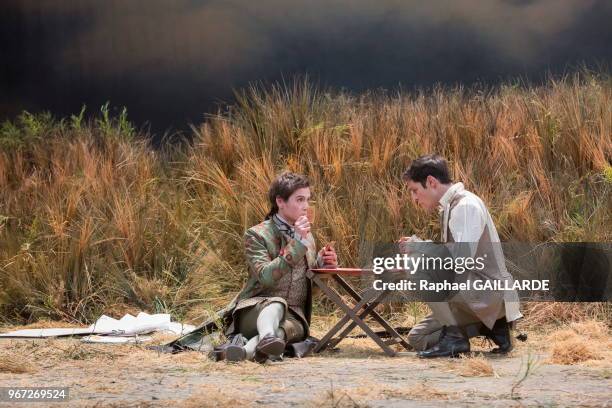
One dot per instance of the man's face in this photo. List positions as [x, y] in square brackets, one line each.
[425, 197]
[295, 206]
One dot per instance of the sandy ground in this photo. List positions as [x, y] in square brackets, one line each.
[358, 375]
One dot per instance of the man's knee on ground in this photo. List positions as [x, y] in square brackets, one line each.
[417, 340]
[422, 340]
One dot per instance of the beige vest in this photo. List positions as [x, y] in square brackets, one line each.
[488, 306]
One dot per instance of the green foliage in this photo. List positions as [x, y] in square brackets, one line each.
[607, 174]
[76, 121]
[31, 129]
[28, 128]
[115, 127]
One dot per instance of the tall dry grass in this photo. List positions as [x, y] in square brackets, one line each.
[93, 219]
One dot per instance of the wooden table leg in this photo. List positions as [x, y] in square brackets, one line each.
[337, 299]
[325, 341]
[367, 309]
[388, 328]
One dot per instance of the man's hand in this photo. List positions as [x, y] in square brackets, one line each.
[329, 256]
[404, 244]
[302, 227]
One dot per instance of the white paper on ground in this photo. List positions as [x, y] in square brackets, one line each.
[115, 339]
[47, 332]
[128, 325]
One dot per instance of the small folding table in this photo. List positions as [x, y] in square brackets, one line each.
[355, 314]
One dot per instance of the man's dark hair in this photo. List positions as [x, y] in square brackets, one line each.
[429, 165]
[283, 186]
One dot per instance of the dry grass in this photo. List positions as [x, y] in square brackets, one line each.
[15, 364]
[422, 391]
[355, 397]
[573, 351]
[356, 348]
[592, 329]
[214, 396]
[115, 358]
[581, 342]
[472, 366]
[538, 314]
[121, 404]
[94, 220]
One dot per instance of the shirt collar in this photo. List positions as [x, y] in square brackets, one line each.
[283, 220]
[448, 196]
[283, 225]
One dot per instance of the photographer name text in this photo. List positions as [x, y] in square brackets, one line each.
[476, 284]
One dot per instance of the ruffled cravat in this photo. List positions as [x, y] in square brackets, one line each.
[283, 226]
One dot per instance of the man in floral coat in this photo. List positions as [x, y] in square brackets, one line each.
[273, 309]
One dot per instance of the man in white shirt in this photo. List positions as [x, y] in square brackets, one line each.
[468, 230]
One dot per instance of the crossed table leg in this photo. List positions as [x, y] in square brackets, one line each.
[367, 301]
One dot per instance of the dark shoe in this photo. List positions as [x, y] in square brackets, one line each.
[269, 347]
[233, 350]
[302, 349]
[217, 354]
[500, 335]
[235, 353]
[452, 343]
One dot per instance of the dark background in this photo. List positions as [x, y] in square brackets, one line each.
[171, 61]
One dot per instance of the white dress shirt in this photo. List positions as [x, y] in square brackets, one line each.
[469, 217]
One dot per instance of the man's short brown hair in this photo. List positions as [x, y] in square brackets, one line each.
[283, 186]
[429, 165]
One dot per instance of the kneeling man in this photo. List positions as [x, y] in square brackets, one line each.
[464, 218]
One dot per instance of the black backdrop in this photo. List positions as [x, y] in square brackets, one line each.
[170, 62]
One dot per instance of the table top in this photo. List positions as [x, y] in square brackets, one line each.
[343, 271]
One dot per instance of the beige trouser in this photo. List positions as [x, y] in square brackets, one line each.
[291, 324]
[426, 333]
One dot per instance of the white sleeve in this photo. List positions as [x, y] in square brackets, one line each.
[466, 224]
